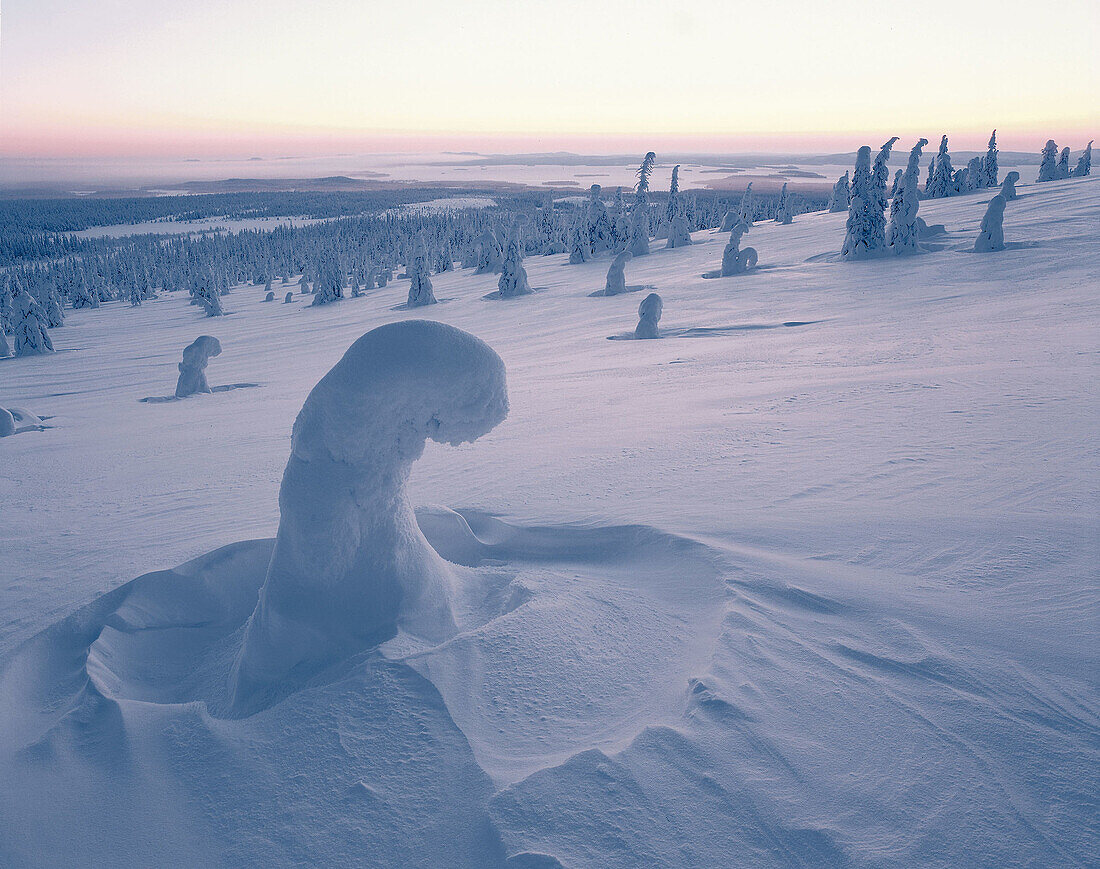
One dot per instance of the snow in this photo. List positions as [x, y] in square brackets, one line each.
[809, 581]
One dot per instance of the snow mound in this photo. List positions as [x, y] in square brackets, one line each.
[350, 566]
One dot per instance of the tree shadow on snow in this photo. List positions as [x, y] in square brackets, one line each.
[630, 288]
[228, 387]
[404, 306]
[713, 331]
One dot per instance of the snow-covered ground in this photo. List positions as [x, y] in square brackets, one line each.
[815, 584]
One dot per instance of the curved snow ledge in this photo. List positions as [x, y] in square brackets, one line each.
[350, 565]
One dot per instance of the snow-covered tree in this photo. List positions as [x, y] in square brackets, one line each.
[580, 250]
[5, 352]
[679, 235]
[877, 215]
[196, 356]
[420, 288]
[1008, 187]
[31, 337]
[1084, 163]
[639, 229]
[7, 313]
[513, 276]
[329, 286]
[1063, 164]
[83, 296]
[135, 298]
[490, 257]
[902, 235]
[841, 196]
[975, 174]
[649, 315]
[734, 260]
[616, 275]
[942, 182]
[55, 317]
[989, 164]
[896, 185]
[1048, 166]
[641, 190]
[600, 235]
[861, 239]
[746, 211]
[621, 225]
[303, 285]
[991, 237]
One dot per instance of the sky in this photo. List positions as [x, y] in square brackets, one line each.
[237, 78]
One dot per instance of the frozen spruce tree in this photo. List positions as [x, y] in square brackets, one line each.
[679, 234]
[672, 208]
[329, 286]
[621, 224]
[879, 176]
[7, 312]
[989, 164]
[746, 211]
[1084, 163]
[31, 337]
[303, 285]
[600, 235]
[841, 197]
[1008, 188]
[941, 184]
[1063, 164]
[5, 350]
[289, 298]
[55, 317]
[649, 315]
[82, 296]
[975, 174]
[639, 229]
[902, 235]
[991, 236]
[420, 288]
[513, 277]
[135, 298]
[490, 257]
[896, 185]
[641, 190]
[734, 260]
[196, 356]
[1048, 166]
[579, 249]
[861, 239]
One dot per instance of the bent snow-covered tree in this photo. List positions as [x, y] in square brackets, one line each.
[1008, 187]
[991, 236]
[600, 235]
[351, 567]
[1048, 165]
[196, 356]
[641, 190]
[902, 234]
[734, 260]
[580, 250]
[1063, 164]
[649, 315]
[639, 229]
[616, 275]
[1084, 163]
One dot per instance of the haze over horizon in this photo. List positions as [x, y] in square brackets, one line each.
[214, 80]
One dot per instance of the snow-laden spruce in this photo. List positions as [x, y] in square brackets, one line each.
[513, 276]
[734, 260]
[351, 566]
[599, 223]
[1048, 164]
[420, 278]
[30, 325]
[991, 236]
[289, 298]
[1063, 164]
[83, 296]
[679, 235]
[746, 211]
[616, 275]
[1008, 186]
[783, 207]
[942, 181]
[580, 250]
[490, 257]
[5, 350]
[902, 232]
[639, 229]
[975, 174]
[879, 176]
[861, 237]
[1084, 162]
[649, 315]
[196, 356]
[841, 196]
[641, 189]
[989, 164]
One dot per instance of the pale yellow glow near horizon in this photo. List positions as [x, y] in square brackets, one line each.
[111, 77]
